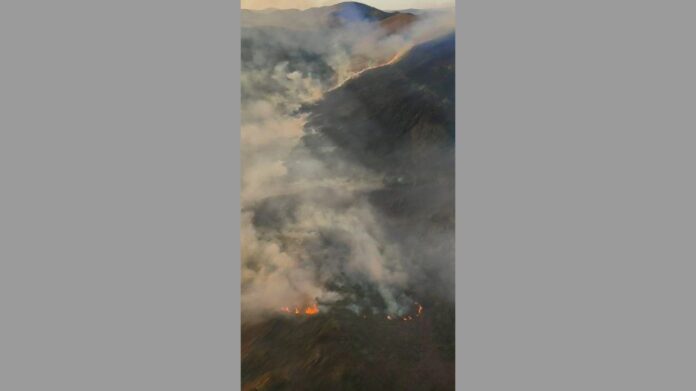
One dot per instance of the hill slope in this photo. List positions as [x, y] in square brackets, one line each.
[399, 121]
[394, 119]
[398, 117]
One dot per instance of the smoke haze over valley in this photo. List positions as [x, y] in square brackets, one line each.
[347, 194]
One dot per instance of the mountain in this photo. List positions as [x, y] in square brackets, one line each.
[349, 12]
[397, 22]
[396, 120]
[304, 40]
[398, 117]
[333, 16]
[426, 11]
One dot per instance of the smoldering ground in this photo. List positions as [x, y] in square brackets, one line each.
[317, 224]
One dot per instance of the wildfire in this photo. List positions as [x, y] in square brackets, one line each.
[399, 55]
[407, 317]
[309, 310]
[394, 59]
[313, 310]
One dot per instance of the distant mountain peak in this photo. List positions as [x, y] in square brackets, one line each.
[351, 11]
[331, 16]
[352, 4]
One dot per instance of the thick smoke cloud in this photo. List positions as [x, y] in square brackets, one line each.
[309, 231]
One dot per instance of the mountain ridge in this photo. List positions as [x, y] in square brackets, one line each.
[330, 16]
[396, 116]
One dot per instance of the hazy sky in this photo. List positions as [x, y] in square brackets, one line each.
[381, 4]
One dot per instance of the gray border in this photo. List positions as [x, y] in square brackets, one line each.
[119, 253]
[235, 307]
[575, 195]
[460, 319]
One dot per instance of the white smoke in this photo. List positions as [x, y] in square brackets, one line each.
[304, 226]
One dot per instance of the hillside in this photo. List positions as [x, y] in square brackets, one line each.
[398, 117]
[398, 120]
[364, 206]
[342, 351]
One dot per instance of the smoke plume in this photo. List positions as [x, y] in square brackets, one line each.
[309, 231]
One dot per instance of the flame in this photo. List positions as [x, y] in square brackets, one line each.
[401, 53]
[407, 317]
[309, 310]
[313, 310]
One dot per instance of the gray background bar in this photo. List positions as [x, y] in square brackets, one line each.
[120, 195]
[576, 195]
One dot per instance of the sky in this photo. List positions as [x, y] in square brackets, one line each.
[381, 4]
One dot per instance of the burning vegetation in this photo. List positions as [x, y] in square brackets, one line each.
[313, 309]
[332, 267]
[306, 310]
[407, 317]
[339, 349]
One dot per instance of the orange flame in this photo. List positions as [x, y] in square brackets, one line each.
[394, 59]
[313, 310]
[310, 310]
